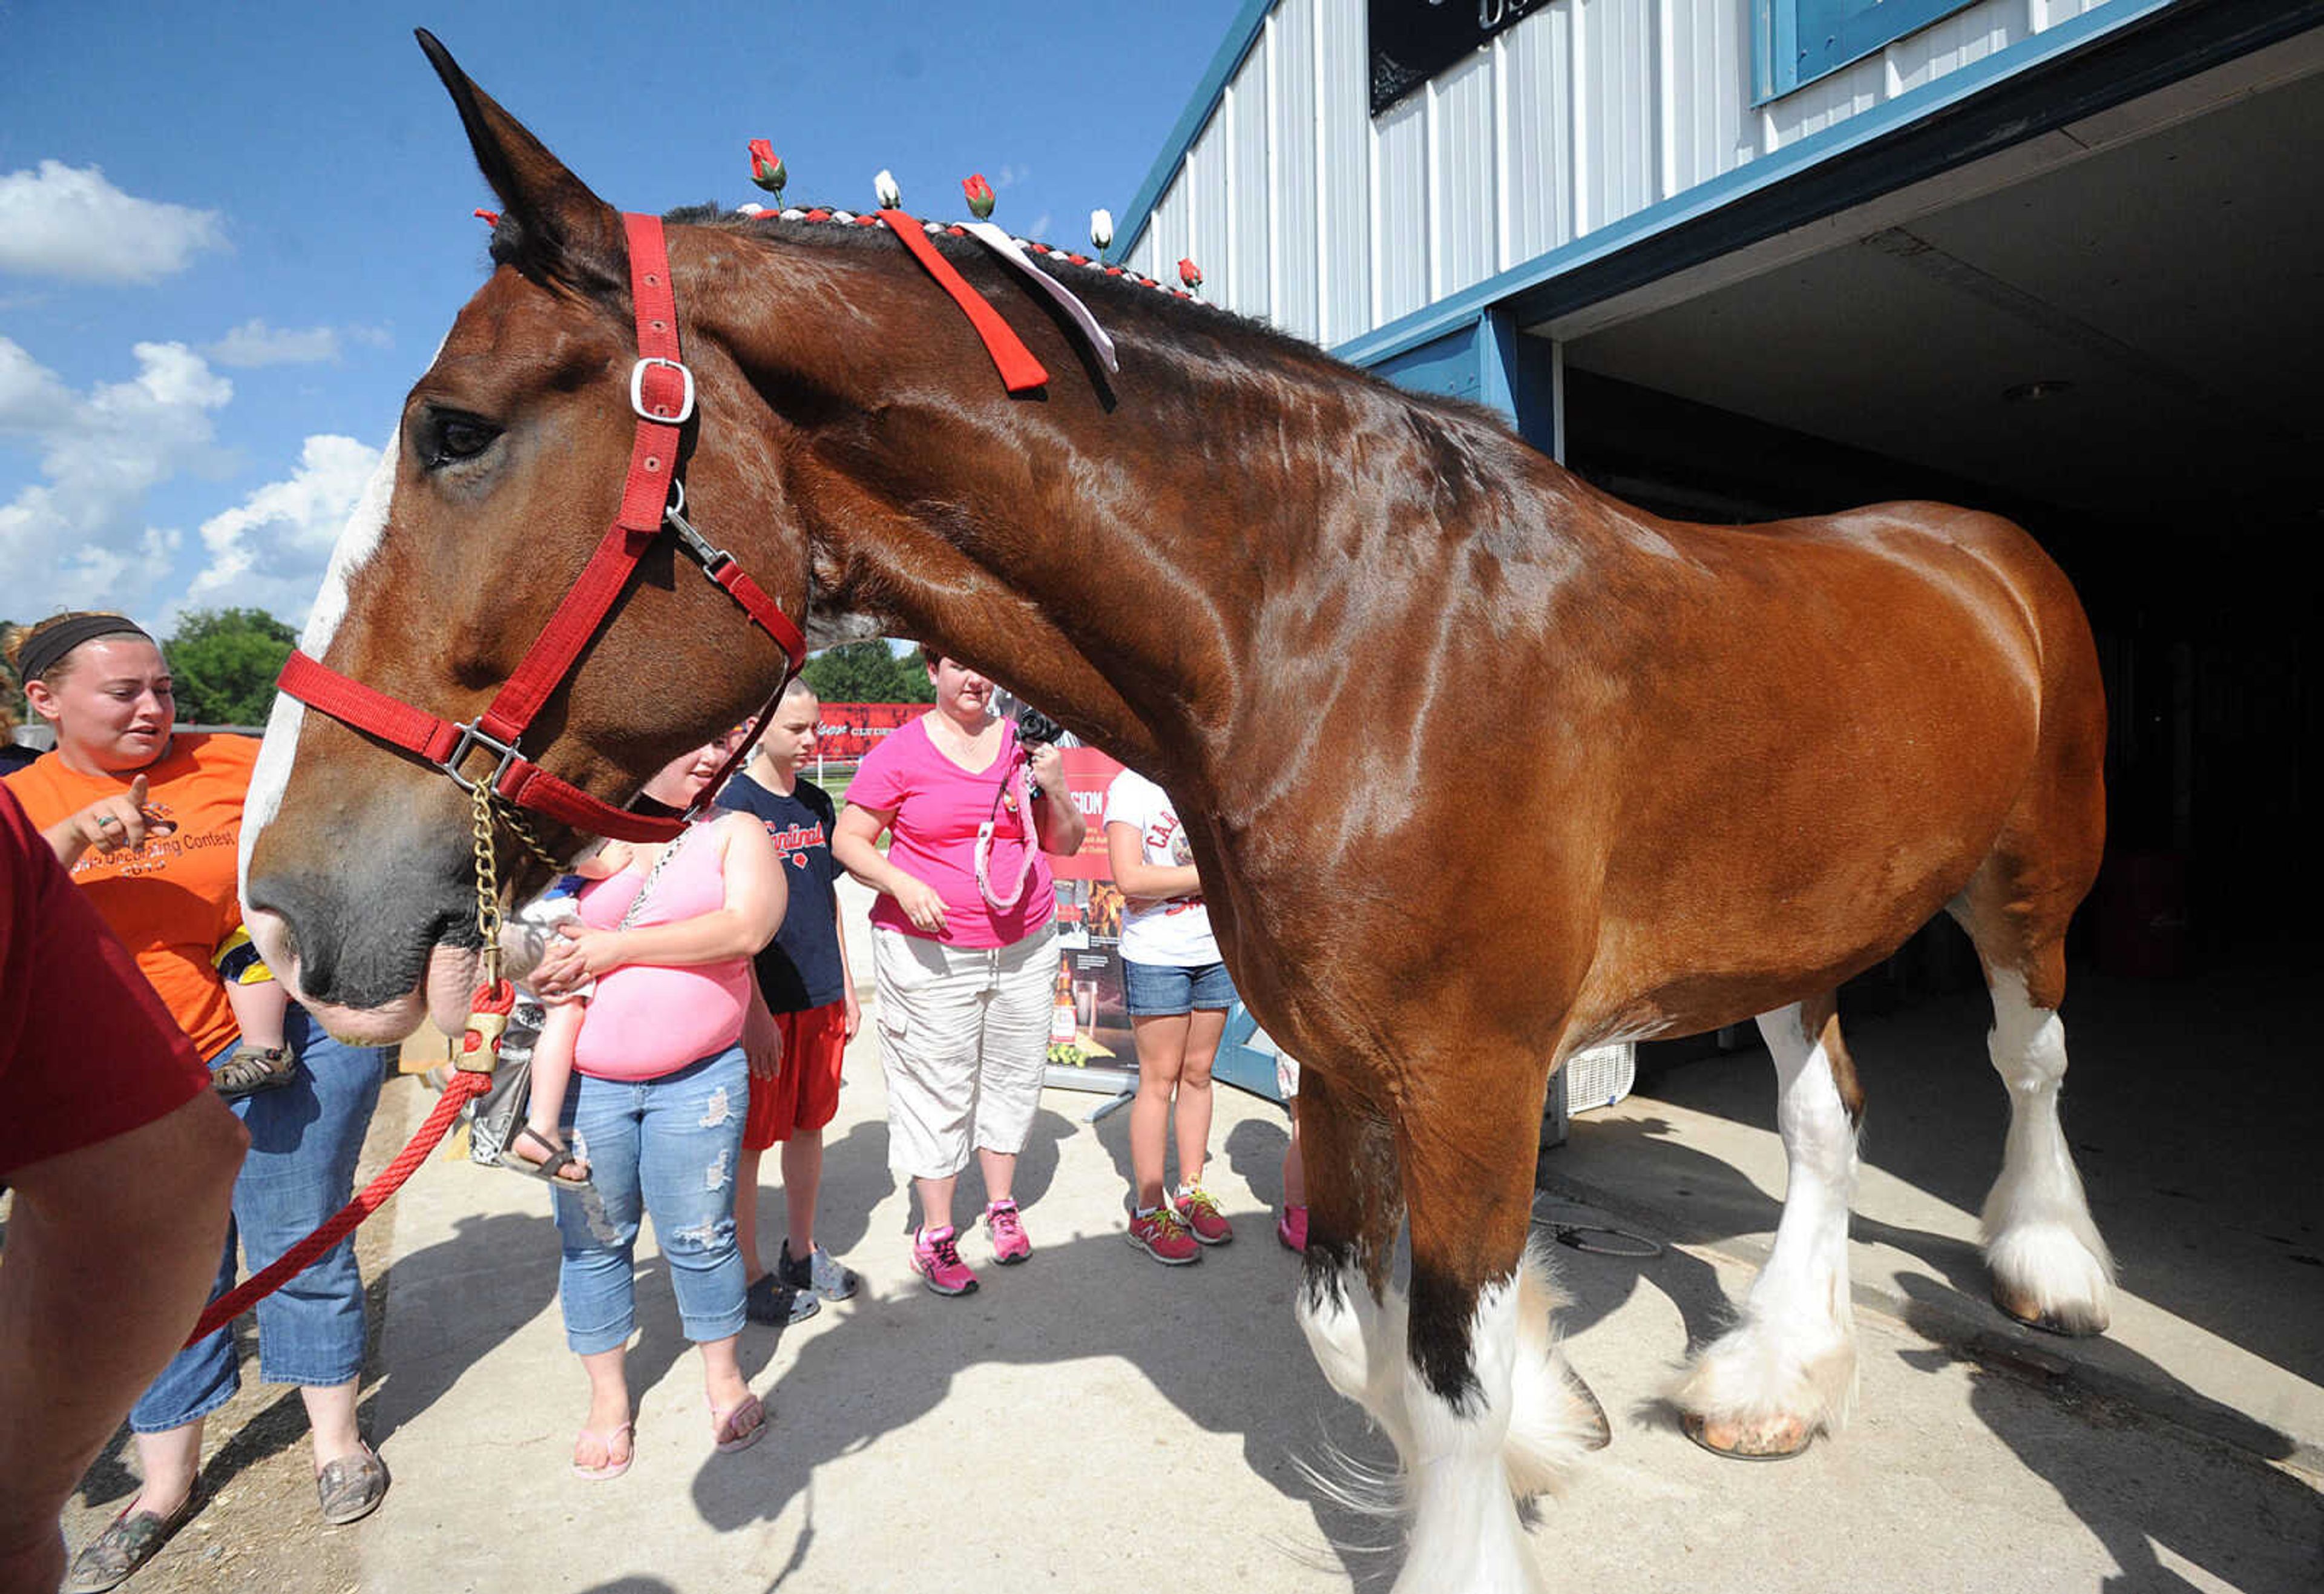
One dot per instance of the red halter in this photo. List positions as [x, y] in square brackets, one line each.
[661, 392]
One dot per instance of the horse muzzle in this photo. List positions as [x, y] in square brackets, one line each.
[368, 972]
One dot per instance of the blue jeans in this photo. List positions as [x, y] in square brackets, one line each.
[665, 1147]
[1152, 989]
[305, 1137]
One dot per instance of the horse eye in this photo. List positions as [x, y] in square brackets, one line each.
[450, 438]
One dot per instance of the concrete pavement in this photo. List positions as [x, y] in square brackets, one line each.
[1091, 1420]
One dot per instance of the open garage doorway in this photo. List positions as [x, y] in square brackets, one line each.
[2114, 338]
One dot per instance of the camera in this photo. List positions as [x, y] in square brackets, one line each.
[1035, 729]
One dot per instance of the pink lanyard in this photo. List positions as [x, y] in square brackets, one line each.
[1012, 785]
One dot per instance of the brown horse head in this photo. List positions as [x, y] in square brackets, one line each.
[504, 473]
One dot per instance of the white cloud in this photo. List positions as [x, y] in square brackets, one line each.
[79, 538]
[268, 550]
[67, 221]
[255, 343]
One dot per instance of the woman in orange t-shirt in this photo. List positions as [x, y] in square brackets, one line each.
[149, 822]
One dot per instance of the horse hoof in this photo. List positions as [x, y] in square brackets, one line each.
[2023, 1310]
[1602, 1432]
[1768, 1438]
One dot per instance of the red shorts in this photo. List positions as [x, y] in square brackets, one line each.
[806, 1095]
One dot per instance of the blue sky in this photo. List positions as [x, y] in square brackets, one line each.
[231, 235]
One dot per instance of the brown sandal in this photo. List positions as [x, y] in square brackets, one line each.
[127, 1542]
[253, 1069]
[351, 1488]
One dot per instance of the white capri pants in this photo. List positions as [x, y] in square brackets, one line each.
[964, 1043]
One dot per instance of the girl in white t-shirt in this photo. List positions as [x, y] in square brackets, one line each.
[1178, 995]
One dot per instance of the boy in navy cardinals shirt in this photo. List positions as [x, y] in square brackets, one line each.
[803, 975]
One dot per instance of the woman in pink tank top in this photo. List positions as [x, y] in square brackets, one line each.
[655, 1107]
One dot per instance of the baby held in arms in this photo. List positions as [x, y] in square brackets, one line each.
[538, 1147]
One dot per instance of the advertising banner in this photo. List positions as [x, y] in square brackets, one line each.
[847, 731]
[1091, 1025]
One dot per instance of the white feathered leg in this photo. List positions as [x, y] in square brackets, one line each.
[1788, 1369]
[1359, 1343]
[1553, 1419]
[1466, 1538]
[2050, 1268]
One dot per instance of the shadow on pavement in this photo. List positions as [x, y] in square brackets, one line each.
[2125, 1477]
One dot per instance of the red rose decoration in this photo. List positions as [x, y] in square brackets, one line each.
[1190, 274]
[980, 199]
[767, 168]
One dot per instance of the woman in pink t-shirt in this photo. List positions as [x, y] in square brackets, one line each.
[660, 1090]
[963, 949]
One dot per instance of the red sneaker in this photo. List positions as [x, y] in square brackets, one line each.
[1201, 1216]
[1291, 1228]
[1162, 1235]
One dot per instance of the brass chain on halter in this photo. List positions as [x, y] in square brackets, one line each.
[515, 820]
[488, 881]
[489, 1008]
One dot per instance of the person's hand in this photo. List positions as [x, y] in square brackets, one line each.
[609, 860]
[762, 1042]
[854, 1013]
[119, 822]
[920, 902]
[1048, 767]
[578, 955]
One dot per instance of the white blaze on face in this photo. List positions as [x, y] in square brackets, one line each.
[357, 542]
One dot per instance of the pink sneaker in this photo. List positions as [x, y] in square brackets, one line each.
[1291, 1228]
[1006, 1233]
[1162, 1235]
[935, 1257]
[1201, 1216]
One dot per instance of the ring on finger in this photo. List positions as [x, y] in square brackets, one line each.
[106, 822]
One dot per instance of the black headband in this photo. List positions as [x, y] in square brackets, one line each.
[47, 647]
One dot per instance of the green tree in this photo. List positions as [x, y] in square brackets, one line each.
[224, 662]
[866, 673]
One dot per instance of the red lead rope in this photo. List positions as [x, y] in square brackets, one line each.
[368, 1200]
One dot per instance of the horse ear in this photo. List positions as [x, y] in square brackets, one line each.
[552, 228]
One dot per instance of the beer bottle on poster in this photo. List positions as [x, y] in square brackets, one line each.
[1061, 1016]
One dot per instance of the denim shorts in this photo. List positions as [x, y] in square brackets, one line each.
[1158, 990]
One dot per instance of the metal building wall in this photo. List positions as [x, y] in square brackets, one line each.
[1301, 207]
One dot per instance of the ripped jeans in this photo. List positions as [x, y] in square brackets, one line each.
[667, 1147]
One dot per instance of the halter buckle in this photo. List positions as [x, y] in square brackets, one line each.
[471, 738]
[638, 392]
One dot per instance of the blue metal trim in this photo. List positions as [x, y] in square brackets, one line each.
[1233, 50]
[1730, 186]
[1850, 30]
[1450, 367]
[1771, 23]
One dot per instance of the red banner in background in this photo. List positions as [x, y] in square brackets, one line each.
[851, 731]
[1092, 1024]
[1088, 772]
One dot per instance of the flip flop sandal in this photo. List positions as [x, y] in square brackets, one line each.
[127, 1542]
[351, 1488]
[728, 1432]
[253, 1069]
[549, 1170]
[609, 1438]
